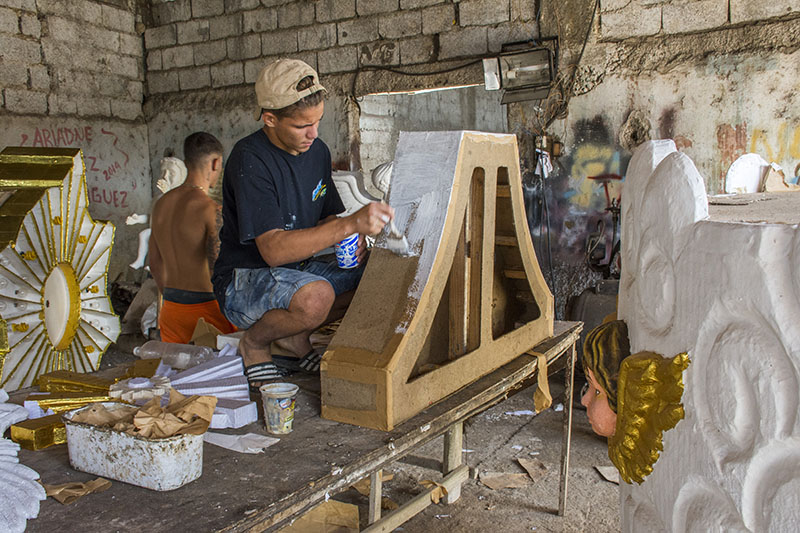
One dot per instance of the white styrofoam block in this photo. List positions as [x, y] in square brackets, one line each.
[232, 339]
[233, 388]
[234, 413]
[218, 368]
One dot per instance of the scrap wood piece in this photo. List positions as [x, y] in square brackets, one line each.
[363, 485]
[438, 491]
[67, 493]
[329, 517]
[542, 399]
[500, 480]
[533, 467]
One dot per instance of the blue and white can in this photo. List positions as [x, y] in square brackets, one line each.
[346, 251]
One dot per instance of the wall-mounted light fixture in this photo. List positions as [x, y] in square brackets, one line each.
[523, 75]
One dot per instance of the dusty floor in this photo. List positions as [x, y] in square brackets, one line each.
[493, 441]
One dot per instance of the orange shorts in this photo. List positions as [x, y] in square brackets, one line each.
[177, 321]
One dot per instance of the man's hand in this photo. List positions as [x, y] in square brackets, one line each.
[370, 219]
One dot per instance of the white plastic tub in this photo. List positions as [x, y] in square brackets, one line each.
[157, 464]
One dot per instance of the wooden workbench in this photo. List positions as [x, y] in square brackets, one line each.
[262, 492]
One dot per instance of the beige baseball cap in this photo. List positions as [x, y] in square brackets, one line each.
[276, 85]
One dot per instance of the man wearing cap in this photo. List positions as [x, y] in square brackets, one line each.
[279, 208]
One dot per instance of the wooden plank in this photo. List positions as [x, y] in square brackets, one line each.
[459, 297]
[375, 495]
[453, 454]
[506, 240]
[567, 435]
[514, 274]
[504, 191]
[475, 216]
[418, 503]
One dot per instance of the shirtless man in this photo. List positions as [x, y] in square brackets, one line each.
[185, 243]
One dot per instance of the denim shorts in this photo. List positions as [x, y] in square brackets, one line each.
[254, 291]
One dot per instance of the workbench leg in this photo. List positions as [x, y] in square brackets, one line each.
[567, 437]
[375, 495]
[453, 452]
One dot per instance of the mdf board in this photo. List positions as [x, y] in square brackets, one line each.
[470, 299]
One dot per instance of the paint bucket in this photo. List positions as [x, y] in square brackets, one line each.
[278, 400]
[346, 251]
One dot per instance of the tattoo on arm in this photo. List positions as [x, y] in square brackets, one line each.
[212, 240]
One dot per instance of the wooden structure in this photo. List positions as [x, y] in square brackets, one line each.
[470, 300]
[319, 459]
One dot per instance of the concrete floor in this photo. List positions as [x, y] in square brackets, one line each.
[494, 440]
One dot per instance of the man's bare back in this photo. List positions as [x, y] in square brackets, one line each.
[184, 235]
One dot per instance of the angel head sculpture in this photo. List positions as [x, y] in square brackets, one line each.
[631, 399]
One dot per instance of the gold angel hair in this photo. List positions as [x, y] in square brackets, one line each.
[632, 399]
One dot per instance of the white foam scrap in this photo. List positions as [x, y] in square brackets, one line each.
[234, 413]
[34, 411]
[140, 389]
[217, 368]
[235, 388]
[524, 412]
[232, 339]
[247, 443]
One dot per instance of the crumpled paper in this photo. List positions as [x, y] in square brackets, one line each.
[183, 415]
[541, 397]
[247, 443]
[69, 492]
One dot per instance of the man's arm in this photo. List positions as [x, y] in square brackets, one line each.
[213, 218]
[279, 247]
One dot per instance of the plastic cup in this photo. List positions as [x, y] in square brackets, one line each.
[346, 251]
[278, 400]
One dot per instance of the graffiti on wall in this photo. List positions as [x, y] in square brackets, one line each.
[779, 143]
[111, 180]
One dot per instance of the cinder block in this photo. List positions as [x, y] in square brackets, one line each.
[65, 29]
[523, 10]
[194, 78]
[69, 81]
[13, 74]
[160, 37]
[416, 50]
[260, 20]
[226, 26]
[632, 21]
[126, 110]
[154, 60]
[94, 106]
[371, 7]
[296, 14]
[278, 42]
[192, 31]
[207, 8]
[230, 74]
[59, 104]
[78, 9]
[102, 39]
[244, 47]
[463, 42]
[30, 25]
[510, 32]
[135, 90]
[415, 4]
[21, 50]
[208, 53]
[482, 12]
[614, 5]
[438, 19]
[694, 16]
[402, 24]
[749, 10]
[328, 10]
[28, 5]
[108, 85]
[309, 58]
[162, 82]
[28, 102]
[39, 77]
[131, 45]
[172, 11]
[118, 19]
[231, 6]
[252, 68]
[126, 66]
[358, 30]
[177, 56]
[339, 59]
[379, 53]
[9, 21]
[317, 36]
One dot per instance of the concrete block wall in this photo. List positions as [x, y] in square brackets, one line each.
[205, 44]
[80, 57]
[620, 19]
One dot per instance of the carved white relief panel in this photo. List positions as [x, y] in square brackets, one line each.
[725, 288]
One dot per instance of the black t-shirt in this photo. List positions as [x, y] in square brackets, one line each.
[266, 188]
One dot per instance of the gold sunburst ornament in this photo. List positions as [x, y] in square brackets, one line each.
[53, 267]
